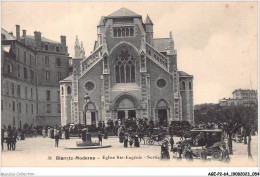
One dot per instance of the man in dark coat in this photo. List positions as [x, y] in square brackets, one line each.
[100, 138]
[225, 154]
[57, 137]
[105, 133]
[164, 151]
[14, 137]
[126, 141]
[203, 154]
[171, 143]
[9, 140]
[2, 138]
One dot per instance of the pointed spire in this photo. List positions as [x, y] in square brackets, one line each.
[148, 20]
[171, 35]
[81, 46]
[77, 41]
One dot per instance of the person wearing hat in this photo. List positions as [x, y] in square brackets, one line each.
[164, 150]
[203, 154]
[131, 140]
[225, 154]
[171, 142]
[136, 141]
[126, 141]
[100, 138]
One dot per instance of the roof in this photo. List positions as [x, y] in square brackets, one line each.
[161, 44]
[183, 74]
[7, 35]
[122, 13]
[243, 90]
[67, 79]
[148, 20]
[42, 38]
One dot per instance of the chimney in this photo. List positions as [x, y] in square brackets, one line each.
[24, 33]
[18, 32]
[37, 39]
[63, 43]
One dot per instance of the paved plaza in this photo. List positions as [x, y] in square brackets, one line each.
[41, 152]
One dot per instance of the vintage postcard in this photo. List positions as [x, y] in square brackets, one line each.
[129, 84]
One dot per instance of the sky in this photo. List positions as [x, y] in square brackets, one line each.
[216, 42]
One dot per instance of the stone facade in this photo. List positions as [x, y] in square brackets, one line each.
[128, 74]
[37, 66]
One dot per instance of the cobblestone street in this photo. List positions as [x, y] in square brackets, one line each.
[41, 152]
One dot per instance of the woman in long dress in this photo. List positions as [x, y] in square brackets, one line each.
[136, 144]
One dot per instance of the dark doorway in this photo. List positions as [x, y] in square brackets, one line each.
[162, 115]
[121, 115]
[131, 114]
[93, 118]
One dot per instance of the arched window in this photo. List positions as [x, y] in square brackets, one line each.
[131, 31]
[115, 32]
[105, 63]
[62, 91]
[68, 90]
[125, 67]
[182, 85]
[127, 32]
[190, 85]
[119, 32]
[123, 32]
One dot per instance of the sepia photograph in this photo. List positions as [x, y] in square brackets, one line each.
[129, 84]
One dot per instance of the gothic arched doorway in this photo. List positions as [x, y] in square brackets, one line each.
[162, 110]
[90, 114]
[125, 107]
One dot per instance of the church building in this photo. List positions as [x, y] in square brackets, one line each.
[128, 74]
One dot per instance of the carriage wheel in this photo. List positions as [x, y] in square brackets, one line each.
[148, 141]
[151, 142]
[216, 155]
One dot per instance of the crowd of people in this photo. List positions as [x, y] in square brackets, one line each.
[9, 136]
[130, 133]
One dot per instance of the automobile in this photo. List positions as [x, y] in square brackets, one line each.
[211, 140]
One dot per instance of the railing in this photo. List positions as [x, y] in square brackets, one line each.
[157, 57]
[92, 59]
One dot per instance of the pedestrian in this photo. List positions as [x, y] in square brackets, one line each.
[14, 137]
[225, 154]
[131, 141]
[136, 143]
[100, 138]
[121, 137]
[2, 138]
[179, 150]
[189, 154]
[9, 140]
[57, 137]
[105, 133]
[43, 133]
[171, 143]
[164, 150]
[203, 154]
[22, 135]
[126, 141]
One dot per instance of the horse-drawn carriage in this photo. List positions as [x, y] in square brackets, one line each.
[158, 135]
